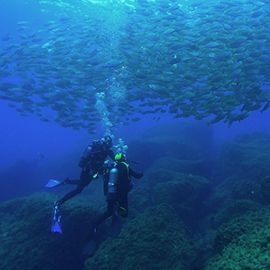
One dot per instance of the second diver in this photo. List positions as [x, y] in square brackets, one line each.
[91, 164]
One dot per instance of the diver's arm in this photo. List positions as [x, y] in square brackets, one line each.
[136, 175]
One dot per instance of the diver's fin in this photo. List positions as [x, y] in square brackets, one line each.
[53, 183]
[56, 228]
[56, 220]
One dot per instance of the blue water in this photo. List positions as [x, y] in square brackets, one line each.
[33, 151]
[27, 138]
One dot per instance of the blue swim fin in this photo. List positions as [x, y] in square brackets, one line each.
[53, 183]
[56, 220]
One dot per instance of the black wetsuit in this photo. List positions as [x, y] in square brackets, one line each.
[120, 201]
[91, 163]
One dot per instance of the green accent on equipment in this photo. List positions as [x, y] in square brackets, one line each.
[118, 156]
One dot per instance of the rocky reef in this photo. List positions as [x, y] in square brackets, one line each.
[26, 241]
[187, 146]
[243, 243]
[238, 225]
[247, 155]
[181, 218]
[156, 239]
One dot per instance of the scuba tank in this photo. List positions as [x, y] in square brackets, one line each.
[112, 183]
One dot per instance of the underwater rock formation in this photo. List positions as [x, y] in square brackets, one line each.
[157, 175]
[26, 241]
[239, 188]
[189, 142]
[247, 155]
[233, 209]
[243, 243]
[229, 221]
[192, 166]
[236, 188]
[156, 239]
[167, 169]
[186, 194]
[139, 199]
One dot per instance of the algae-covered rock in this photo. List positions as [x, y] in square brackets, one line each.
[233, 209]
[155, 239]
[194, 166]
[26, 241]
[245, 170]
[187, 189]
[139, 199]
[247, 155]
[185, 141]
[236, 188]
[186, 194]
[243, 243]
[157, 175]
[239, 188]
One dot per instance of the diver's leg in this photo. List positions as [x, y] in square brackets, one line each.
[115, 216]
[123, 205]
[85, 179]
[72, 182]
[70, 195]
[105, 215]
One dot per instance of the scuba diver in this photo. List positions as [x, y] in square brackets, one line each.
[117, 185]
[91, 164]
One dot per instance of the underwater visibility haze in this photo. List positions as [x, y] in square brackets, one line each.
[183, 89]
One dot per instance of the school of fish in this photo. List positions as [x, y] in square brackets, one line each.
[203, 59]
